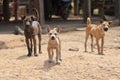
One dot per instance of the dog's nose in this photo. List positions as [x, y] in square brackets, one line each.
[26, 25]
[105, 29]
[52, 38]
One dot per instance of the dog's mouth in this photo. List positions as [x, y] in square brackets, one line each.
[27, 26]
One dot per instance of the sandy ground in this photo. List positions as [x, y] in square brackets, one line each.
[76, 65]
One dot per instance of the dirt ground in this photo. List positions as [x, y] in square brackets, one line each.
[76, 65]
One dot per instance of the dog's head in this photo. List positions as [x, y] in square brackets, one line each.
[53, 33]
[105, 24]
[27, 22]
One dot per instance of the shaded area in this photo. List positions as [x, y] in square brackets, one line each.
[48, 66]
[22, 57]
[3, 45]
[9, 27]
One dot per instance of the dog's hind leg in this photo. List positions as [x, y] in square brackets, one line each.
[39, 39]
[91, 43]
[31, 45]
[60, 54]
[86, 38]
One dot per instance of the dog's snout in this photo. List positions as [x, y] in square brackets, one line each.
[28, 23]
[52, 38]
[27, 26]
[105, 29]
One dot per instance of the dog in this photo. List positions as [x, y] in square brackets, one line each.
[54, 43]
[32, 28]
[97, 31]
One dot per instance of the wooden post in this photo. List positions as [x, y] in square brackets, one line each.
[102, 10]
[89, 8]
[116, 5]
[119, 10]
[6, 12]
[86, 9]
[76, 7]
[16, 9]
[39, 5]
[41, 12]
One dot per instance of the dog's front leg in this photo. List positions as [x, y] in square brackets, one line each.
[35, 49]
[50, 55]
[57, 56]
[39, 39]
[98, 47]
[102, 43]
[28, 47]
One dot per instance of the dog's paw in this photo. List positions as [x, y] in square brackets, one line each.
[29, 55]
[58, 62]
[50, 61]
[36, 55]
[100, 53]
[40, 52]
[60, 59]
[86, 51]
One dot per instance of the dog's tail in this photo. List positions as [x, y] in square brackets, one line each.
[88, 21]
[36, 13]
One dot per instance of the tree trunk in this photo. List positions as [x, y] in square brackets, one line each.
[116, 5]
[86, 9]
[39, 5]
[119, 10]
[6, 12]
[76, 7]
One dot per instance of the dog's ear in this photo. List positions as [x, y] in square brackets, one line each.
[101, 20]
[23, 17]
[48, 28]
[58, 28]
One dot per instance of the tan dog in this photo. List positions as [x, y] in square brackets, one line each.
[97, 31]
[32, 28]
[54, 43]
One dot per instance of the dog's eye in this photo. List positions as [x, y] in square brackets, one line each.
[55, 33]
[50, 33]
[103, 24]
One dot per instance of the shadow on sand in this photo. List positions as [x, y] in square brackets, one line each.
[47, 66]
[22, 57]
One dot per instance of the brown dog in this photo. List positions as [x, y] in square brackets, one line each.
[97, 31]
[31, 29]
[54, 43]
